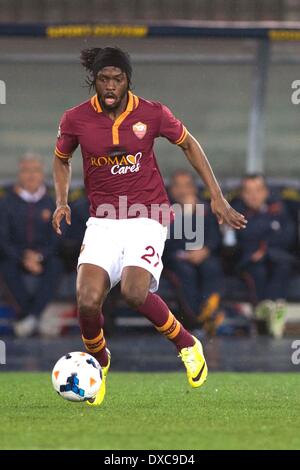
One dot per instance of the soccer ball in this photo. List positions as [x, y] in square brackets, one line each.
[77, 376]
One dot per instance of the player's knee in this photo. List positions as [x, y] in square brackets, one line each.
[89, 303]
[134, 296]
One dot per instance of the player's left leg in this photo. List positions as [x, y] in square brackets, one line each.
[92, 289]
[135, 285]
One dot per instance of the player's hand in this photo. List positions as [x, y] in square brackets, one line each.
[226, 214]
[60, 213]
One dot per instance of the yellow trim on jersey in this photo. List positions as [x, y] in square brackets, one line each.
[95, 103]
[182, 137]
[97, 106]
[120, 119]
[60, 154]
[133, 102]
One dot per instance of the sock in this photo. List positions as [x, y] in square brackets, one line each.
[156, 310]
[93, 337]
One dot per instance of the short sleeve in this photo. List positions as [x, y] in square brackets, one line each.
[171, 127]
[67, 141]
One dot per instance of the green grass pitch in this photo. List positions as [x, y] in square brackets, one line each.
[154, 411]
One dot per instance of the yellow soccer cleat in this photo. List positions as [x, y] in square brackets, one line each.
[98, 399]
[194, 361]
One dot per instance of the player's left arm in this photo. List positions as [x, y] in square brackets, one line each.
[220, 207]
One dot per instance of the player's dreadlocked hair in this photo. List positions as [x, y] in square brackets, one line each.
[96, 58]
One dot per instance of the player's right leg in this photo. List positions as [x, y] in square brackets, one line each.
[139, 279]
[93, 285]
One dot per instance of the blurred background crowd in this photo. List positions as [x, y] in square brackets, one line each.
[231, 84]
[235, 278]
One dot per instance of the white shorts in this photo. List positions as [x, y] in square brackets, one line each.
[113, 244]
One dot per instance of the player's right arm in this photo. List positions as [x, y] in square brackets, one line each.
[62, 177]
[65, 146]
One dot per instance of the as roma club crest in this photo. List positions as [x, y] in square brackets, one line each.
[139, 129]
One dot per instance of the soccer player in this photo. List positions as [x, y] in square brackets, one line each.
[116, 131]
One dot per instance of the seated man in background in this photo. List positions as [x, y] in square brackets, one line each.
[199, 271]
[29, 265]
[265, 258]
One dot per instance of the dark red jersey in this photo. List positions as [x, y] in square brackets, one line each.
[118, 157]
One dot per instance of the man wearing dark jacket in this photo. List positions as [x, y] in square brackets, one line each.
[29, 264]
[265, 246]
[198, 270]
